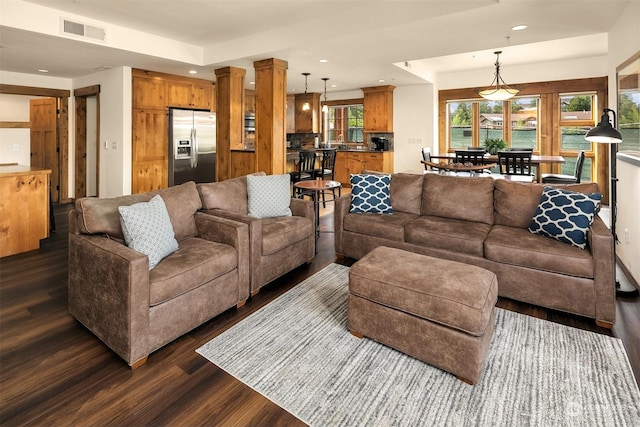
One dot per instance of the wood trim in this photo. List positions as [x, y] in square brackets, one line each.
[34, 91]
[87, 91]
[15, 125]
[352, 101]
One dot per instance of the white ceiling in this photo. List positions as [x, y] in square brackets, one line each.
[361, 39]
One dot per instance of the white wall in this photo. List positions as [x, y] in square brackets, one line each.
[413, 117]
[624, 42]
[15, 108]
[115, 129]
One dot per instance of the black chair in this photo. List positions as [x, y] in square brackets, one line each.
[549, 178]
[514, 162]
[474, 156]
[519, 149]
[327, 165]
[305, 169]
[426, 156]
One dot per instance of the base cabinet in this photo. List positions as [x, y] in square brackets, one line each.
[352, 162]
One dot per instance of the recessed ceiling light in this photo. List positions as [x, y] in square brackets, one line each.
[193, 72]
[334, 85]
[42, 70]
[381, 81]
[252, 83]
[519, 27]
[323, 60]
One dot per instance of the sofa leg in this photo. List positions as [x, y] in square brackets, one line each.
[138, 363]
[241, 303]
[356, 334]
[604, 324]
[465, 380]
[254, 293]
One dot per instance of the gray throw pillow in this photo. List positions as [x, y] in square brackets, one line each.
[147, 229]
[269, 196]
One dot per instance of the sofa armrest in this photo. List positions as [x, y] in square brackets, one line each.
[604, 278]
[109, 293]
[302, 207]
[342, 205]
[232, 233]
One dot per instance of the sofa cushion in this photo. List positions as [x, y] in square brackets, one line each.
[515, 203]
[269, 196]
[282, 232]
[517, 246]
[463, 198]
[229, 195]
[386, 226]
[101, 215]
[370, 194]
[197, 262]
[565, 215]
[182, 201]
[449, 234]
[406, 192]
[147, 229]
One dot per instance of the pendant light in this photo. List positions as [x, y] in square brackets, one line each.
[306, 106]
[325, 107]
[498, 90]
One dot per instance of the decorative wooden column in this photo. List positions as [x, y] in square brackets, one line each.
[271, 99]
[229, 117]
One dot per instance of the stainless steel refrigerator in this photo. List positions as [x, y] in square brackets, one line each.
[192, 146]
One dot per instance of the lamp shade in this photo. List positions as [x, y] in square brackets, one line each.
[604, 133]
[498, 93]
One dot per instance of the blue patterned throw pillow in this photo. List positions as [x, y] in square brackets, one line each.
[565, 215]
[147, 228]
[370, 194]
[269, 196]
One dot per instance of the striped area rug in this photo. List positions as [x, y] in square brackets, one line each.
[298, 352]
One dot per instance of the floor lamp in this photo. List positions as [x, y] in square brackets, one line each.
[604, 133]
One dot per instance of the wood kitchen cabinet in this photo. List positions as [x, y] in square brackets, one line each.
[249, 101]
[378, 108]
[291, 114]
[150, 149]
[24, 210]
[190, 95]
[353, 162]
[307, 121]
[148, 91]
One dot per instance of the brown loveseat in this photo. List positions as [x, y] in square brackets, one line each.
[276, 245]
[135, 310]
[482, 221]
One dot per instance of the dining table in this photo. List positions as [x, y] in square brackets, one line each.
[536, 160]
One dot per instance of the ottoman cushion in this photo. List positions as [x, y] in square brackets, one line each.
[453, 294]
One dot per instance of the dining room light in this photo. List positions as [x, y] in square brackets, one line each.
[498, 90]
[325, 107]
[306, 106]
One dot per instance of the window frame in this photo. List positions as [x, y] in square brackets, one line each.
[343, 104]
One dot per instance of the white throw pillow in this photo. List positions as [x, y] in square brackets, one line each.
[147, 228]
[269, 196]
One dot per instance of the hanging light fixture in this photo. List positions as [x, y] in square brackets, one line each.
[306, 106]
[498, 90]
[325, 107]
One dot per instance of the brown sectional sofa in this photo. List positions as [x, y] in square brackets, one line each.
[483, 222]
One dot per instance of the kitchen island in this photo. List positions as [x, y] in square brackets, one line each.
[24, 208]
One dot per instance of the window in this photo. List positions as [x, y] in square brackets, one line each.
[345, 120]
[549, 117]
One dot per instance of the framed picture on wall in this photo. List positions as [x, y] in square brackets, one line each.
[628, 79]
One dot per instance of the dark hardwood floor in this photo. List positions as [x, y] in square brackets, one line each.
[53, 371]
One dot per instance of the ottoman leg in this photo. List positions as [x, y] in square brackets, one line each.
[356, 334]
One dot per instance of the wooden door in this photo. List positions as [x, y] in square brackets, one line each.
[44, 140]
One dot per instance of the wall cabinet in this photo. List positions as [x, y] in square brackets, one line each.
[353, 162]
[378, 108]
[249, 101]
[307, 121]
[190, 95]
[291, 114]
[149, 92]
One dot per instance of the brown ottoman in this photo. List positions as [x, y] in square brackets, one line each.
[441, 312]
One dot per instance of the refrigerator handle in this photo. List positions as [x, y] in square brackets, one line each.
[194, 148]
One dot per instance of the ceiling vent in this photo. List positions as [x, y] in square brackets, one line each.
[82, 30]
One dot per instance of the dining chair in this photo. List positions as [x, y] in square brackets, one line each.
[426, 156]
[514, 162]
[549, 178]
[475, 156]
[306, 167]
[327, 165]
